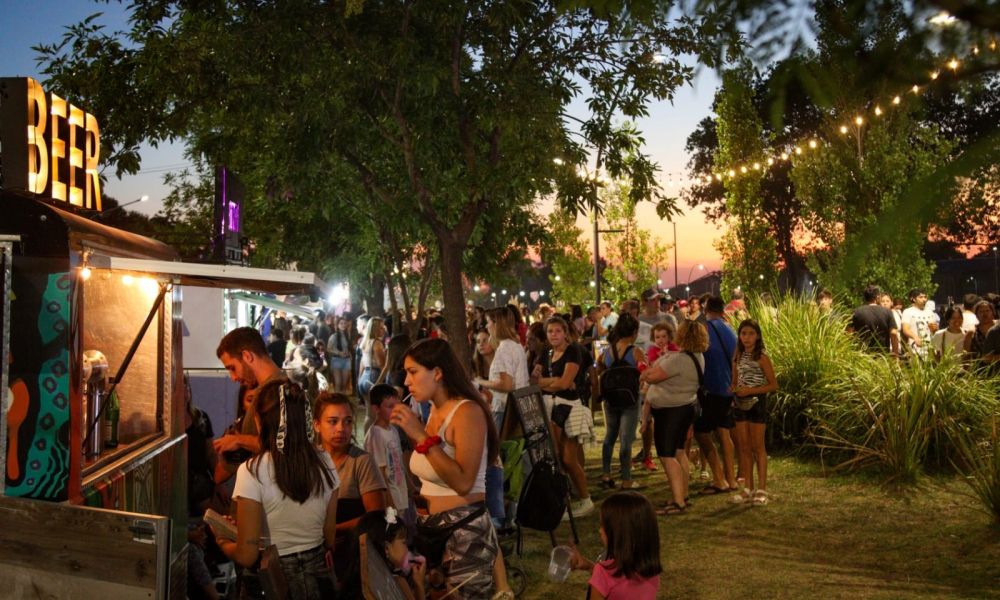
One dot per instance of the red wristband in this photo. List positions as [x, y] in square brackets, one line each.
[425, 446]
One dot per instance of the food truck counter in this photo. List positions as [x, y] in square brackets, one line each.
[93, 502]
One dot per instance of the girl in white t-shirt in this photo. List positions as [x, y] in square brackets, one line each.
[951, 339]
[509, 369]
[289, 490]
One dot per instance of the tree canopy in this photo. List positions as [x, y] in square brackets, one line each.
[437, 122]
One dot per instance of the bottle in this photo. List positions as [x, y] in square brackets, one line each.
[111, 416]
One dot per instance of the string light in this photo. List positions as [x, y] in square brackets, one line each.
[953, 64]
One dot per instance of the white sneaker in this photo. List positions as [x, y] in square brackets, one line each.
[580, 508]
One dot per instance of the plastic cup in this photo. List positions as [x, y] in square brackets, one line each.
[559, 563]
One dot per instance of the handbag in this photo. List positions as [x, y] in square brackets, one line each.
[431, 541]
[702, 392]
[272, 578]
[746, 403]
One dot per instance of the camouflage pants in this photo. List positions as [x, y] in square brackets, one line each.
[469, 553]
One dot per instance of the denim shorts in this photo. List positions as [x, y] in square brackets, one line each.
[756, 414]
[340, 363]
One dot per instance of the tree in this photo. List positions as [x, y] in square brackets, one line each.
[567, 253]
[447, 114]
[864, 177]
[783, 123]
[747, 248]
[633, 254]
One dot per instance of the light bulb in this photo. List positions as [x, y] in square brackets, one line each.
[878, 111]
[897, 100]
[843, 129]
[859, 120]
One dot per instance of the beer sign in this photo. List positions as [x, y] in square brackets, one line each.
[49, 147]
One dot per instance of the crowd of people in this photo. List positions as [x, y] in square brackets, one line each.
[351, 429]
[968, 330]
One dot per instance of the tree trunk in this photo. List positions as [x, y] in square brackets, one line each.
[374, 296]
[454, 299]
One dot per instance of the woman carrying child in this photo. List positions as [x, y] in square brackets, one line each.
[753, 380]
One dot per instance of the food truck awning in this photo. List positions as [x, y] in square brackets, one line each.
[218, 276]
[292, 309]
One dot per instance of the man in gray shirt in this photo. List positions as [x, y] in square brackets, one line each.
[650, 315]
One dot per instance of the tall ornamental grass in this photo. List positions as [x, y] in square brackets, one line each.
[978, 462]
[811, 352]
[899, 416]
[860, 409]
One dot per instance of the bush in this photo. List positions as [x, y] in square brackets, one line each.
[862, 409]
[900, 416]
[979, 463]
[810, 351]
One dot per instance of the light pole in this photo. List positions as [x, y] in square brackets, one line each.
[597, 258]
[675, 252]
[114, 208]
[996, 272]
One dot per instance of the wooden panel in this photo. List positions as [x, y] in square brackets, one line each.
[19, 582]
[83, 542]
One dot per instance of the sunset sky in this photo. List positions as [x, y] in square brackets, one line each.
[26, 24]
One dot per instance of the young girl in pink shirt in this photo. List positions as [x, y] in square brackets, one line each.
[630, 569]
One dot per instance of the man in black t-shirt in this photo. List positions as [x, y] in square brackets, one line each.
[276, 349]
[875, 324]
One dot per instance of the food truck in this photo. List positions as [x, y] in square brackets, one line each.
[93, 501]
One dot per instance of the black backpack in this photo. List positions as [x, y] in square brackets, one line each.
[543, 497]
[620, 382]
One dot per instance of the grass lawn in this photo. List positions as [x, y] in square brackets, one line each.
[822, 536]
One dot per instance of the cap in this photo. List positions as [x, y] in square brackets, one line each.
[682, 303]
[650, 294]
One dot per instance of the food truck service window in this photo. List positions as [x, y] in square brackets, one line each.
[116, 304]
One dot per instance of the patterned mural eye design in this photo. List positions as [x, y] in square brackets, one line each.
[45, 469]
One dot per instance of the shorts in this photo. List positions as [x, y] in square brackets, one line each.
[756, 414]
[670, 428]
[716, 413]
[340, 363]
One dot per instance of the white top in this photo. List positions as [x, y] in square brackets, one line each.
[385, 448]
[944, 339]
[293, 527]
[680, 388]
[510, 359]
[969, 321]
[431, 483]
[919, 322]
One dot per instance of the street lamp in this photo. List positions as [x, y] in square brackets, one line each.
[693, 267]
[114, 208]
[996, 272]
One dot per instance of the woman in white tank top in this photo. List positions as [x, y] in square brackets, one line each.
[450, 457]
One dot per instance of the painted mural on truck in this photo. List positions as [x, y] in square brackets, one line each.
[38, 418]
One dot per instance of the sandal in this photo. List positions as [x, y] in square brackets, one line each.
[671, 508]
[759, 498]
[742, 497]
[608, 483]
[711, 490]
